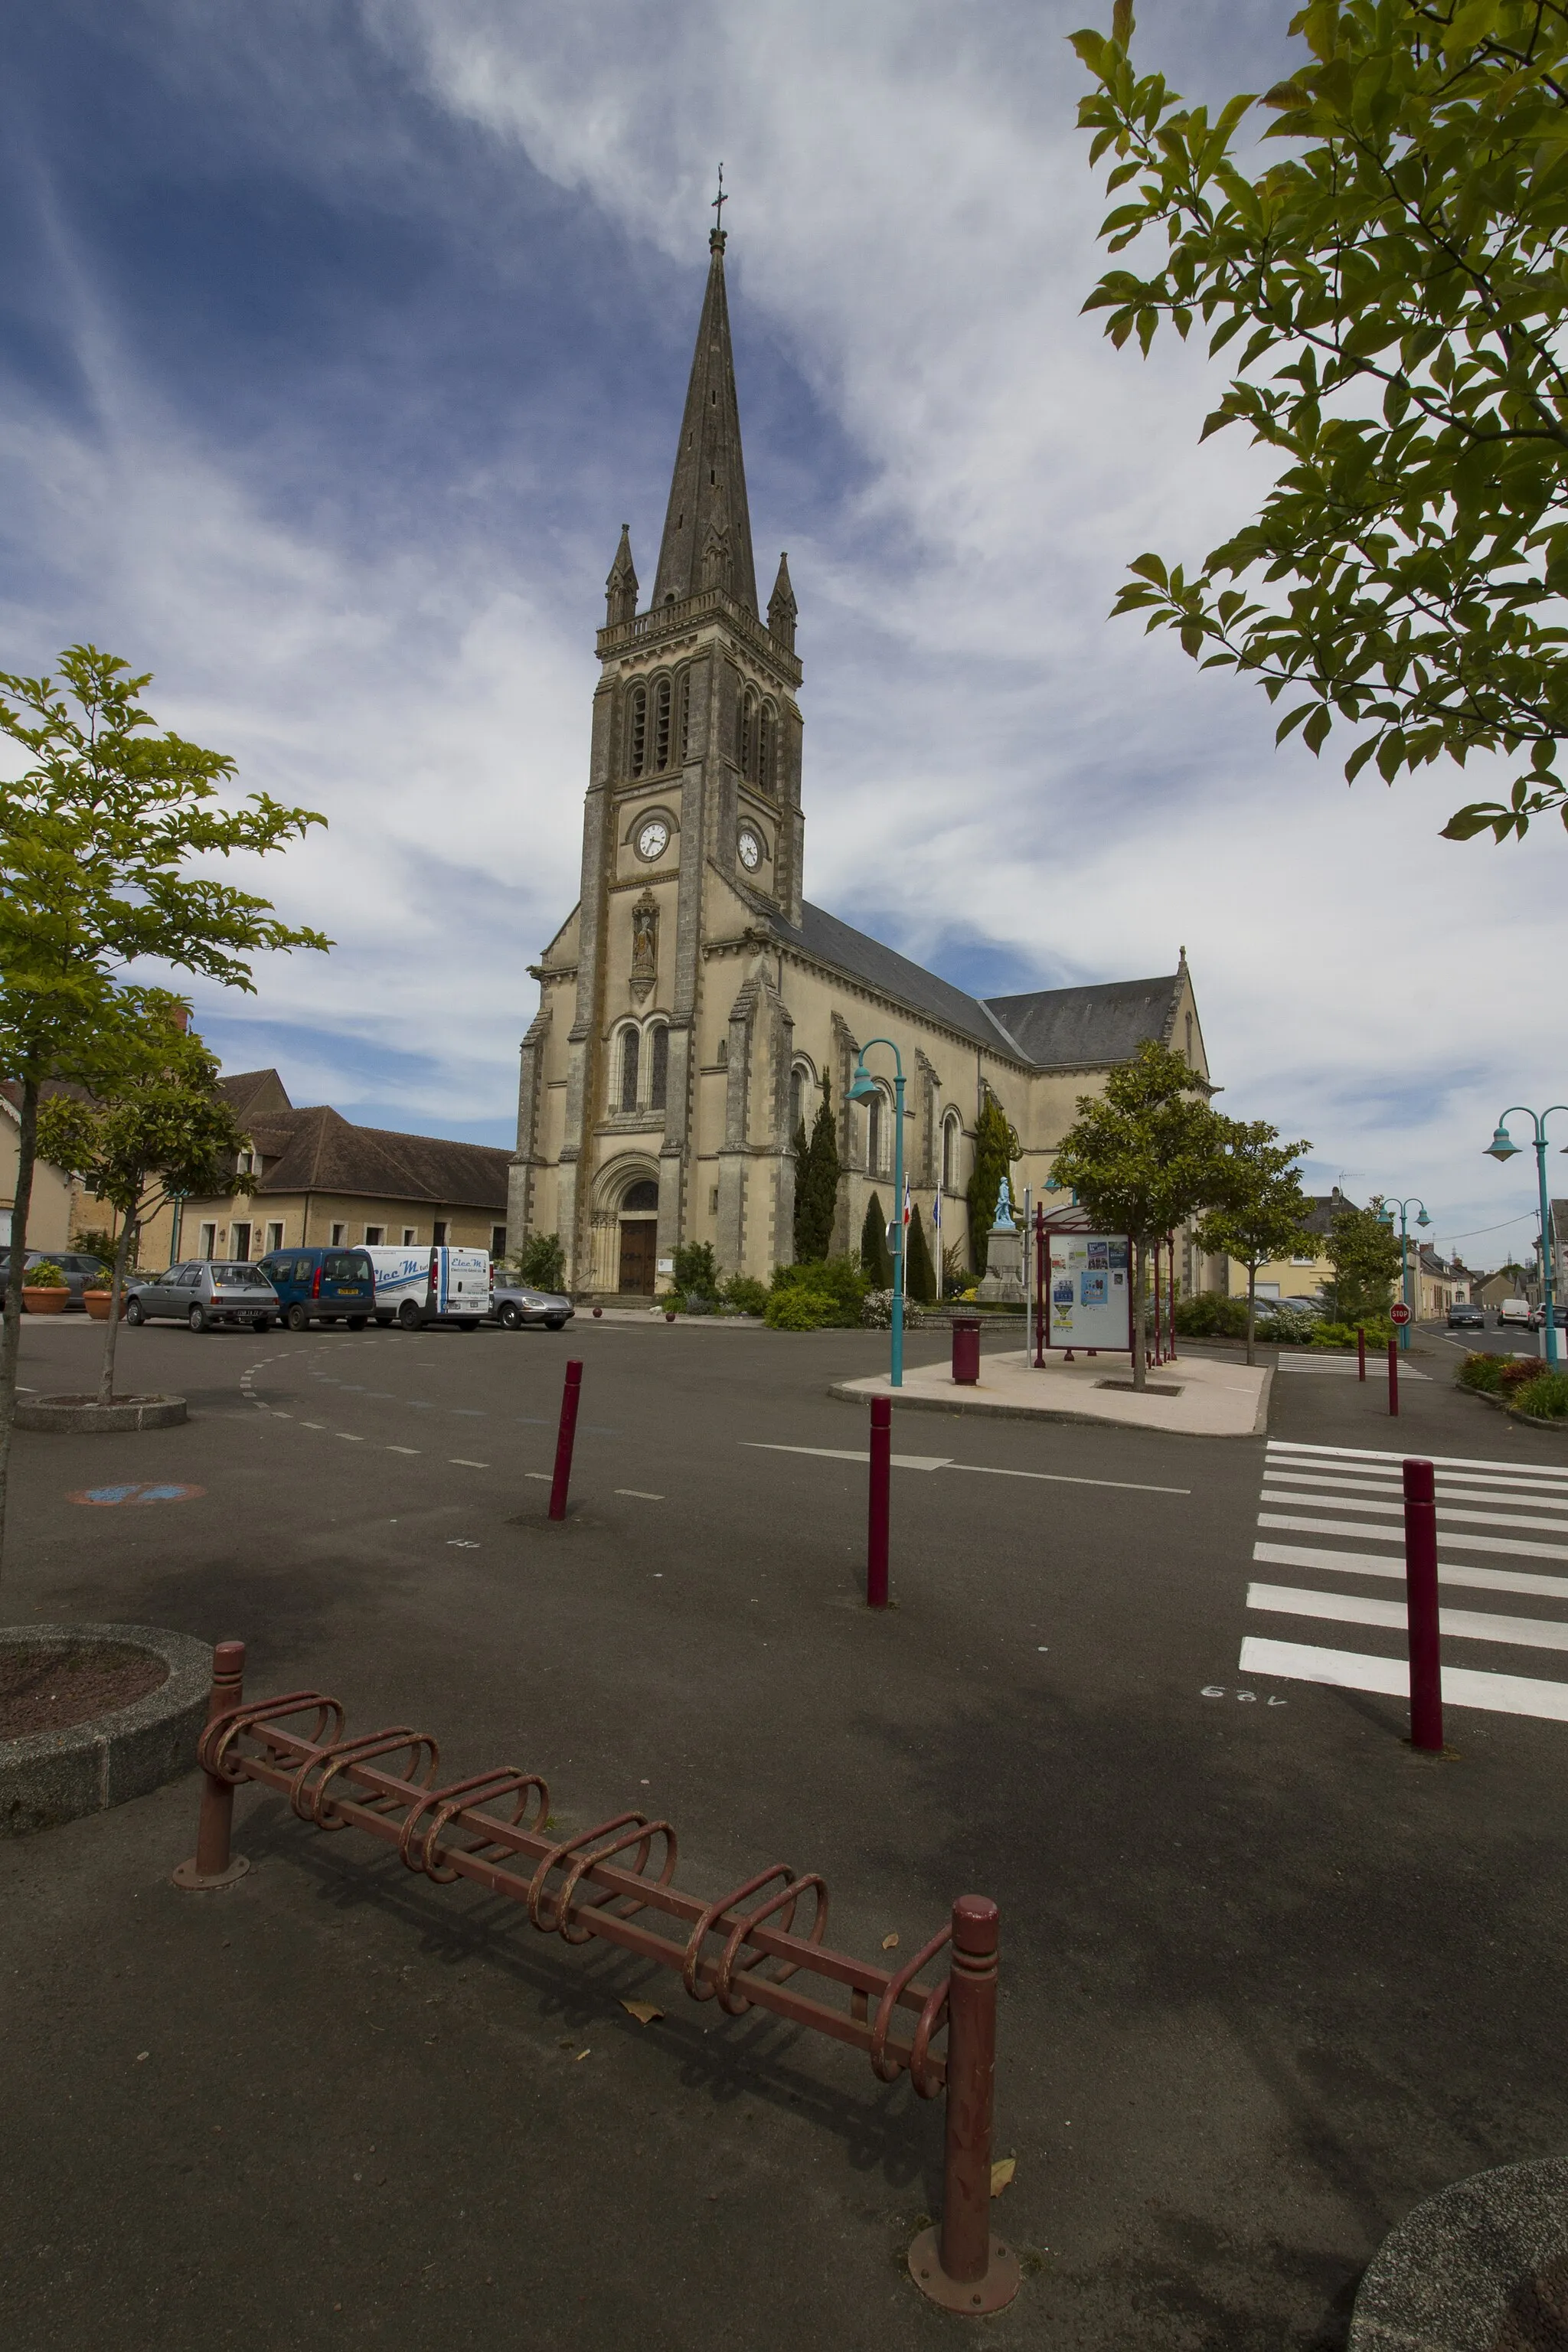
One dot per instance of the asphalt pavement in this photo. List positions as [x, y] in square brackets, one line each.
[1268, 1979]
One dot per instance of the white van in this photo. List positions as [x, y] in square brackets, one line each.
[1515, 1311]
[441, 1284]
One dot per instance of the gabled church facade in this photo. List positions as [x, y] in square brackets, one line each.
[694, 1005]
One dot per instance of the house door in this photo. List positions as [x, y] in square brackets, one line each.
[639, 1237]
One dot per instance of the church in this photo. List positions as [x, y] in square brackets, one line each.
[694, 1005]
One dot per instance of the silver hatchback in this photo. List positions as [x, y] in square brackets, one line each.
[206, 1293]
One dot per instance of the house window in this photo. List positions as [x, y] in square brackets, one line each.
[631, 1045]
[274, 1237]
[410, 1236]
[659, 1075]
[247, 1163]
[374, 1235]
[498, 1241]
[439, 1233]
[209, 1240]
[339, 1234]
[1303, 1261]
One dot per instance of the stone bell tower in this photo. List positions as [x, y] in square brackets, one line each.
[691, 831]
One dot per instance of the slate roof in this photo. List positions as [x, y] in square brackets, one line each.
[319, 1151]
[1051, 1027]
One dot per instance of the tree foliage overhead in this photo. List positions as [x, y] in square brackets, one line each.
[1401, 281]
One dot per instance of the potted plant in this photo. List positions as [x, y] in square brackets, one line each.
[98, 1301]
[45, 1289]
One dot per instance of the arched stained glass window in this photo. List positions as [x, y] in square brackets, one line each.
[796, 1101]
[950, 1134]
[630, 1046]
[661, 718]
[640, 1197]
[658, 1068]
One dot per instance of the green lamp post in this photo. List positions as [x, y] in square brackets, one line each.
[862, 1090]
[1385, 1217]
[1503, 1147]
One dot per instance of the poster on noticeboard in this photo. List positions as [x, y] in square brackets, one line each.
[1089, 1291]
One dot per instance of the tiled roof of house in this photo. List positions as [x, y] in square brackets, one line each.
[319, 1151]
[1052, 1027]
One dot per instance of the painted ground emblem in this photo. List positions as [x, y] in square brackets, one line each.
[135, 1491]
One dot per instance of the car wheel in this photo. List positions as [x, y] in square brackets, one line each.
[509, 1316]
[358, 1322]
[133, 1311]
[197, 1319]
[408, 1316]
[297, 1318]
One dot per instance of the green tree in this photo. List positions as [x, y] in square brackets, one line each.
[996, 1146]
[96, 836]
[876, 1258]
[920, 1275]
[816, 1185]
[1261, 1212]
[696, 1274]
[1365, 1255]
[169, 1135]
[542, 1262]
[1142, 1157]
[1402, 280]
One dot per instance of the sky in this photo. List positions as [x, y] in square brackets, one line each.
[338, 340]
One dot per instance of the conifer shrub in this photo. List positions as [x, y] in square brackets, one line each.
[696, 1275]
[920, 1275]
[876, 1258]
[542, 1263]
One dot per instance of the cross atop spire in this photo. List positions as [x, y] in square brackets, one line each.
[719, 201]
[706, 538]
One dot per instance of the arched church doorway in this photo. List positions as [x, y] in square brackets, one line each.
[639, 1237]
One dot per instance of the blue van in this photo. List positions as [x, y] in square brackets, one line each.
[323, 1286]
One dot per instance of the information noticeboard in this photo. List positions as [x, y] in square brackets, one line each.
[1089, 1291]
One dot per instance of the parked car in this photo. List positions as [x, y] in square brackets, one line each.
[323, 1286]
[1537, 1316]
[453, 1286]
[1514, 1311]
[81, 1272]
[209, 1294]
[1465, 1318]
[514, 1303]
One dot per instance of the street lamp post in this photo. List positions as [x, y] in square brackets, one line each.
[862, 1090]
[1503, 1147]
[1385, 1217]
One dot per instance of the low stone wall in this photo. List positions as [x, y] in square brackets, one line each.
[49, 1776]
[79, 1414]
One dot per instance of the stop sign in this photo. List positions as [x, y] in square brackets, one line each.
[1399, 1312]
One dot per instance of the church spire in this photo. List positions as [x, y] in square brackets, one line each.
[781, 608]
[621, 587]
[707, 527]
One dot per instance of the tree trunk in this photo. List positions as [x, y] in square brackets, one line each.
[116, 1292]
[1139, 1310]
[11, 1328]
[1251, 1313]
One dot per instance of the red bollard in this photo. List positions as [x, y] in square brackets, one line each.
[959, 2263]
[213, 1866]
[1393, 1379]
[565, 1441]
[880, 1502]
[1361, 1351]
[1421, 1604]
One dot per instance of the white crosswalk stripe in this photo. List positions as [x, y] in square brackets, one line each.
[1362, 1492]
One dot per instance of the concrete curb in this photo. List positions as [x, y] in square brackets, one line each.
[982, 1406]
[78, 1414]
[1480, 2267]
[51, 1777]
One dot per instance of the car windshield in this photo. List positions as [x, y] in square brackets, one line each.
[238, 1276]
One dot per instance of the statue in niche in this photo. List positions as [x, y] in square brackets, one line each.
[645, 945]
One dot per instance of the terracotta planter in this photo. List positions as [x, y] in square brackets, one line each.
[42, 1300]
[97, 1304]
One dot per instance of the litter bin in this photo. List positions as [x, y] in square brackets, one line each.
[965, 1350]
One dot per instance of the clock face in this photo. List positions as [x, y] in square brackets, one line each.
[749, 848]
[653, 838]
